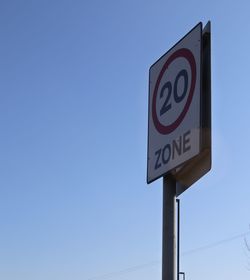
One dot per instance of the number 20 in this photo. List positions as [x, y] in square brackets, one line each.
[167, 87]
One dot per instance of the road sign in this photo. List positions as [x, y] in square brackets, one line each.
[174, 123]
[179, 115]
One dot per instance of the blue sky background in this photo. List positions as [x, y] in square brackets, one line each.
[74, 203]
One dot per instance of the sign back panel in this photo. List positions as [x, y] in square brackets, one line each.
[193, 170]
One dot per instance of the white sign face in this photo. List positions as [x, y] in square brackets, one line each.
[174, 106]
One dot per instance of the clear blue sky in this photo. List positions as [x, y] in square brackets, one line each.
[74, 203]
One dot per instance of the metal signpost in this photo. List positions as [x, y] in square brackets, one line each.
[179, 127]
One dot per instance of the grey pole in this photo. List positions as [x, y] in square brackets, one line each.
[169, 229]
[178, 239]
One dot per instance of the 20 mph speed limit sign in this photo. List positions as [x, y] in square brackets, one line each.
[174, 121]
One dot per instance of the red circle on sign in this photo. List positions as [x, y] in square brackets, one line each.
[166, 129]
